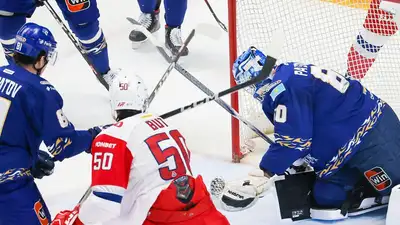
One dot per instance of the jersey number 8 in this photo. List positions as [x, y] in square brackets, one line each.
[336, 80]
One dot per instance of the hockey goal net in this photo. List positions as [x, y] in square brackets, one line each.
[343, 35]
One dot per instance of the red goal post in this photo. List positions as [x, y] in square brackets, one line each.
[356, 36]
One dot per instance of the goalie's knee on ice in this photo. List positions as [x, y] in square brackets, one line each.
[328, 194]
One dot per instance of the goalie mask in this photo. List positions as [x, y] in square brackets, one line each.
[128, 93]
[246, 67]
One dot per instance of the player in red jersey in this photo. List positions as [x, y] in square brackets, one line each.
[141, 171]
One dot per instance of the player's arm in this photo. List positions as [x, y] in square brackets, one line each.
[111, 166]
[293, 125]
[59, 135]
[293, 122]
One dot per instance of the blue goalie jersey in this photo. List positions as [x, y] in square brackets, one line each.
[31, 112]
[318, 115]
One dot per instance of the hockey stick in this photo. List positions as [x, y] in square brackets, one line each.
[222, 25]
[265, 71]
[197, 83]
[75, 42]
[169, 69]
[85, 196]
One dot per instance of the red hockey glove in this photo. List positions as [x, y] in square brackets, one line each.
[68, 217]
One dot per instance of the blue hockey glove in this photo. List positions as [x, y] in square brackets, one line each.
[44, 166]
[94, 131]
[39, 3]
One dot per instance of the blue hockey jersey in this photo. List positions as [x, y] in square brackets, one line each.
[318, 115]
[31, 112]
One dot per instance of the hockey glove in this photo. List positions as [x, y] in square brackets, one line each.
[39, 3]
[240, 194]
[44, 166]
[67, 217]
[94, 131]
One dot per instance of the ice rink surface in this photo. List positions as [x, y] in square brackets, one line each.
[206, 128]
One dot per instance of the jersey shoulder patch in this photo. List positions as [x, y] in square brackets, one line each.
[277, 91]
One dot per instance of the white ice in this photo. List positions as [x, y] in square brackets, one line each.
[206, 128]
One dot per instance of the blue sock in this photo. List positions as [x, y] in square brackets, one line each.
[175, 11]
[147, 6]
[92, 39]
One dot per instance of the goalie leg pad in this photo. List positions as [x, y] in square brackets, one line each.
[329, 194]
[293, 195]
[378, 158]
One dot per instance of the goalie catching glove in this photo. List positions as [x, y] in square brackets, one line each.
[240, 194]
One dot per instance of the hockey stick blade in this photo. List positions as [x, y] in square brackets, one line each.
[137, 26]
[169, 69]
[75, 42]
[274, 50]
[197, 83]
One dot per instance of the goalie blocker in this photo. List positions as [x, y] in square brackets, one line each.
[296, 201]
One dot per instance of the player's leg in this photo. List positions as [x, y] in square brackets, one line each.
[12, 16]
[333, 192]
[175, 11]
[9, 25]
[370, 173]
[378, 159]
[149, 18]
[185, 194]
[83, 19]
[378, 27]
[24, 205]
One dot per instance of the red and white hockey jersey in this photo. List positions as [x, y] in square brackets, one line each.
[132, 162]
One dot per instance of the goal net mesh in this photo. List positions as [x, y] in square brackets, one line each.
[327, 34]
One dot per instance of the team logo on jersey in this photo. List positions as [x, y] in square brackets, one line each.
[39, 210]
[77, 5]
[266, 88]
[59, 146]
[378, 178]
[44, 82]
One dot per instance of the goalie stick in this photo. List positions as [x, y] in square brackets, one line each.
[265, 71]
[75, 42]
[196, 82]
[169, 69]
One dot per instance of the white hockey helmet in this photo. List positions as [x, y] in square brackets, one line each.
[128, 93]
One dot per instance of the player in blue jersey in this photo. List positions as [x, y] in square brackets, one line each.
[175, 11]
[31, 112]
[348, 135]
[82, 17]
